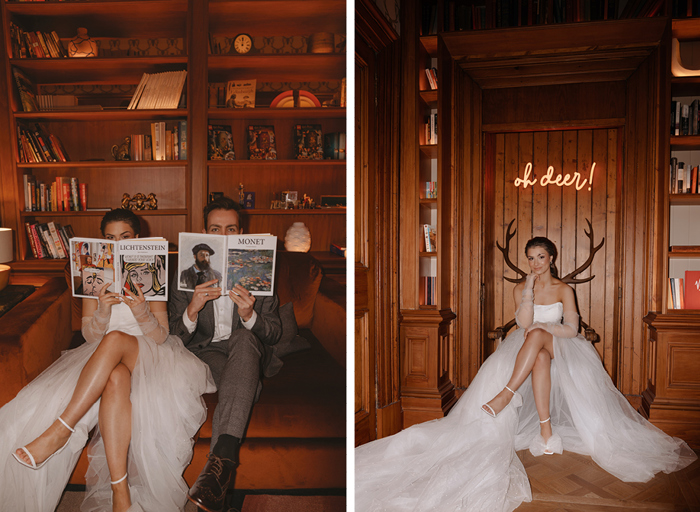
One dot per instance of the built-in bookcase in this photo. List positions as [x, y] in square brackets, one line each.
[137, 37]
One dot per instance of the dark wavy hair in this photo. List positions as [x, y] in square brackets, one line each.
[221, 203]
[121, 215]
[547, 245]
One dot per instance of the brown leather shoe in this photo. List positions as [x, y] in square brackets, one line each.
[209, 491]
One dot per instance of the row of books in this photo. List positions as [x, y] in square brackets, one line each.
[40, 45]
[684, 293]
[49, 240]
[428, 291]
[36, 145]
[159, 91]
[429, 238]
[162, 143]
[685, 119]
[431, 190]
[685, 8]
[309, 143]
[485, 14]
[683, 178]
[430, 129]
[64, 194]
[432, 77]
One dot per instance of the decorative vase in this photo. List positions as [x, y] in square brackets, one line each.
[81, 45]
[298, 238]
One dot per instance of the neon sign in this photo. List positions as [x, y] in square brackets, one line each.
[568, 180]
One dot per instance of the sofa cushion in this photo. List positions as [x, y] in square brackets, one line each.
[302, 400]
[297, 280]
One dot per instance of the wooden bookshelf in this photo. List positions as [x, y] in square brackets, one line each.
[181, 186]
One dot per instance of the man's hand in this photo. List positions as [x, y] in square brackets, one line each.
[244, 300]
[203, 293]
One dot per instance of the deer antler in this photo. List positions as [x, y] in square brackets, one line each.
[571, 278]
[504, 250]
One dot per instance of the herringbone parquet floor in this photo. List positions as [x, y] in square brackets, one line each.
[574, 483]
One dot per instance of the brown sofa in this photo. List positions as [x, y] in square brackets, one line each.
[296, 434]
[32, 335]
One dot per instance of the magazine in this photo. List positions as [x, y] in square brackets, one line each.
[248, 260]
[220, 143]
[141, 262]
[240, 94]
[261, 143]
[308, 142]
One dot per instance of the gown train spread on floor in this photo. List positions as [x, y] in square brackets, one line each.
[167, 410]
[467, 461]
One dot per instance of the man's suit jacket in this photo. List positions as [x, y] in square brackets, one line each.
[188, 277]
[267, 328]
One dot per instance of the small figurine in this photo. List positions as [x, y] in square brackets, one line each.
[140, 202]
[123, 150]
[152, 202]
[241, 194]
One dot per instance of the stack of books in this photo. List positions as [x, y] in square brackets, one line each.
[49, 240]
[36, 145]
[159, 90]
[63, 195]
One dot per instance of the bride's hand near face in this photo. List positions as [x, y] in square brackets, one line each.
[106, 300]
[530, 280]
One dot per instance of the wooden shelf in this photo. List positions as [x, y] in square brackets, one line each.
[100, 213]
[285, 163]
[686, 28]
[687, 142]
[685, 199]
[424, 254]
[429, 202]
[430, 43]
[108, 71]
[105, 18]
[684, 254]
[100, 164]
[296, 67]
[274, 17]
[107, 114]
[430, 97]
[684, 86]
[317, 211]
[277, 113]
[429, 150]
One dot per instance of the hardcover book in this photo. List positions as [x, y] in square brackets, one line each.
[248, 260]
[240, 94]
[27, 91]
[261, 143]
[308, 142]
[692, 289]
[126, 264]
[220, 143]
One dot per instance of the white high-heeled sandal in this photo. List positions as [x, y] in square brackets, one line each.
[33, 464]
[553, 445]
[515, 398]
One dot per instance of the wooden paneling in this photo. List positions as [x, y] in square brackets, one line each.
[560, 214]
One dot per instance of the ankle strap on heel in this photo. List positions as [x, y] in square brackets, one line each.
[72, 430]
[510, 389]
[545, 421]
[120, 480]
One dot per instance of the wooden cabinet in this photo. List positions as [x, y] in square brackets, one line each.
[279, 61]
[673, 398]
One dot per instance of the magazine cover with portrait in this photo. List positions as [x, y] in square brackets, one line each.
[248, 260]
[125, 264]
[201, 258]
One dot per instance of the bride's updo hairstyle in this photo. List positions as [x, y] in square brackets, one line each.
[121, 215]
[547, 245]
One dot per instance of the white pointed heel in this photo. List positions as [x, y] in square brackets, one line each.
[553, 445]
[33, 464]
[516, 400]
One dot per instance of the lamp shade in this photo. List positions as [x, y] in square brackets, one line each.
[6, 253]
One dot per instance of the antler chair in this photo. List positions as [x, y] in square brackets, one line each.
[500, 332]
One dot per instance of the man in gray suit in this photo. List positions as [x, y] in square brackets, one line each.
[233, 334]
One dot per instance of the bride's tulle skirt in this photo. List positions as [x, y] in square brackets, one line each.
[467, 461]
[167, 410]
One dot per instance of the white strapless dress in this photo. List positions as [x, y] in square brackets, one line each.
[167, 410]
[467, 461]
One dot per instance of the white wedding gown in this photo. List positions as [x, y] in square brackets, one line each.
[467, 461]
[167, 410]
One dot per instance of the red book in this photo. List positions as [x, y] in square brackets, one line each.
[692, 289]
[83, 196]
[66, 197]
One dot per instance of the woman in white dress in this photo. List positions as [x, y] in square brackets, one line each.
[133, 380]
[543, 388]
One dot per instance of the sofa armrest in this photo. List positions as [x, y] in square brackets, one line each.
[33, 335]
[329, 320]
